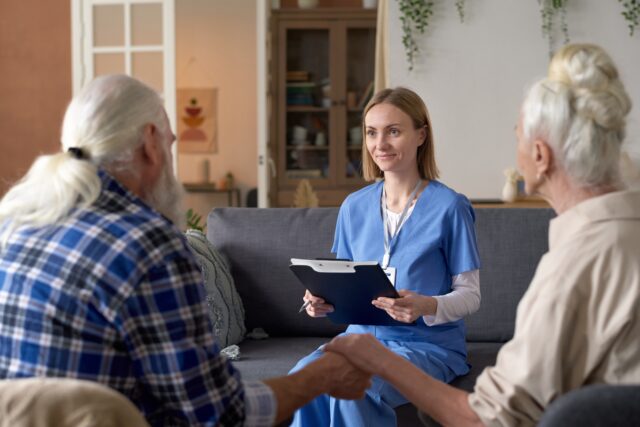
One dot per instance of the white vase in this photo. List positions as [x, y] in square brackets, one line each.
[509, 191]
[307, 4]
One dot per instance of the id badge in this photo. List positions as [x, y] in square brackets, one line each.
[391, 274]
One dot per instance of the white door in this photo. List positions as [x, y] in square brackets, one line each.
[133, 37]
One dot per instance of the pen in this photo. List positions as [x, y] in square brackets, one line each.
[304, 306]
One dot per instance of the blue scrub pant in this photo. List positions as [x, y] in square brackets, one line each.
[377, 407]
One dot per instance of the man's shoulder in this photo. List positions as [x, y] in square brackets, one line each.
[130, 225]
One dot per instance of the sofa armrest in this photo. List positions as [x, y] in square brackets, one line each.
[597, 405]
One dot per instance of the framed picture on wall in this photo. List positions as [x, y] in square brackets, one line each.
[197, 120]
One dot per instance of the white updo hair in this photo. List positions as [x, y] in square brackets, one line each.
[105, 121]
[580, 109]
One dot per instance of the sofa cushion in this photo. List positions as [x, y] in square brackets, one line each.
[225, 306]
[511, 243]
[259, 244]
[273, 357]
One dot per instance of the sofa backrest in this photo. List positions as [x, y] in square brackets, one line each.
[511, 243]
[260, 242]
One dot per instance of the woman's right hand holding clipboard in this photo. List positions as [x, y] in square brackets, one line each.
[315, 306]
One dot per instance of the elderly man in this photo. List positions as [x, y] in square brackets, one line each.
[97, 281]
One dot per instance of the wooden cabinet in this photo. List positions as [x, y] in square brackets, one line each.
[322, 70]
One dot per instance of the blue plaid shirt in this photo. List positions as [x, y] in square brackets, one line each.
[113, 294]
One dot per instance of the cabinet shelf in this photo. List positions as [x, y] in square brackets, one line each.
[306, 109]
[329, 57]
[307, 147]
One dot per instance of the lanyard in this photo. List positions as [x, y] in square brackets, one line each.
[389, 239]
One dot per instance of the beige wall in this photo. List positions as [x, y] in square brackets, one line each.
[216, 47]
[35, 81]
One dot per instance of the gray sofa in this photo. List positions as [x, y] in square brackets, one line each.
[260, 242]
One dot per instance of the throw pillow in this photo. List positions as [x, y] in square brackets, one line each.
[225, 306]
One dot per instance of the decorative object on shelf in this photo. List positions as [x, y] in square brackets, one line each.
[304, 196]
[197, 127]
[205, 170]
[229, 181]
[355, 135]
[299, 135]
[414, 15]
[549, 12]
[510, 189]
[321, 139]
[631, 14]
[307, 4]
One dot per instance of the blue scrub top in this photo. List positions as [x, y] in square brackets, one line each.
[436, 242]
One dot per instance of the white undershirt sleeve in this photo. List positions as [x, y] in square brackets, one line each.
[464, 299]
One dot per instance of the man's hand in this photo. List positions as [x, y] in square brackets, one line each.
[363, 350]
[446, 404]
[345, 381]
[330, 374]
[317, 306]
[408, 307]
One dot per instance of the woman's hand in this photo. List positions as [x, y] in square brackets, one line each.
[408, 307]
[363, 350]
[317, 306]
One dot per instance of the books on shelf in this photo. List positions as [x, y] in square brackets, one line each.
[297, 76]
[300, 93]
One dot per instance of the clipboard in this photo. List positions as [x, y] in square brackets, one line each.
[350, 287]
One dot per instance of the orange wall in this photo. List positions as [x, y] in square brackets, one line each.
[35, 81]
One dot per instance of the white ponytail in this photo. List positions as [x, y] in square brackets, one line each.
[102, 126]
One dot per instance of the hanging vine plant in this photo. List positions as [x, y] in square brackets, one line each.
[414, 15]
[550, 11]
[631, 13]
[460, 8]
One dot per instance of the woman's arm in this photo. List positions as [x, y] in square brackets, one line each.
[445, 404]
[463, 300]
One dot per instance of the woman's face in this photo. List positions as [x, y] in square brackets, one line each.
[391, 139]
[525, 160]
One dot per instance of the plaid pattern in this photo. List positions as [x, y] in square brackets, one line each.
[113, 295]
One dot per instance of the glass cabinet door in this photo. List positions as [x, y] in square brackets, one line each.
[307, 104]
[359, 87]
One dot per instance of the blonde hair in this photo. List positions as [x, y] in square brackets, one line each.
[580, 109]
[102, 126]
[412, 105]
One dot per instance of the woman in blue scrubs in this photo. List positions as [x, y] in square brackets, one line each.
[422, 233]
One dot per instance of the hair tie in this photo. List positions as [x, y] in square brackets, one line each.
[76, 153]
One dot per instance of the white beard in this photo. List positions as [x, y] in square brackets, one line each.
[167, 196]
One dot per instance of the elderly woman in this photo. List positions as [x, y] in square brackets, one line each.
[579, 322]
